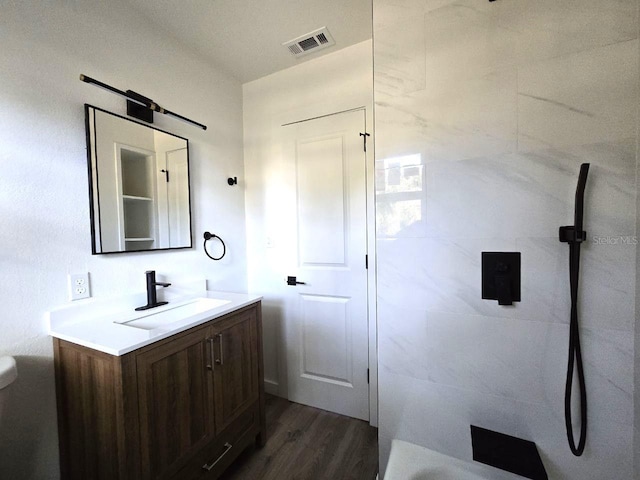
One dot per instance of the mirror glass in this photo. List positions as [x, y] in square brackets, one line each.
[139, 185]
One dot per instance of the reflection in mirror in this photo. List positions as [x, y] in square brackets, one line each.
[139, 185]
[401, 196]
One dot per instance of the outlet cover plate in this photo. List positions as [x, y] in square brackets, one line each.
[79, 286]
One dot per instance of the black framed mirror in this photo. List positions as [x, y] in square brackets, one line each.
[138, 185]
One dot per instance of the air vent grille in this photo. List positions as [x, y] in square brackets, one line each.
[308, 43]
[311, 42]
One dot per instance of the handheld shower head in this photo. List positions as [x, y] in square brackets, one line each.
[582, 182]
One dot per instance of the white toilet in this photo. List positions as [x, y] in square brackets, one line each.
[8, 373]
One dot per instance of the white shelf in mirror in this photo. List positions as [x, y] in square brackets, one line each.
[136, 198]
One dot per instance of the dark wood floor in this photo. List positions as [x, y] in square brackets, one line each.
[305, 443]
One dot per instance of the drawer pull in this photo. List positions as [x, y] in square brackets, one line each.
[227, 447]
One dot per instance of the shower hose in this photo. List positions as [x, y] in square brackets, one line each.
[574, 235]
[575, 357]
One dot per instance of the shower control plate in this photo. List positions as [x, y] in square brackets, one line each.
[501, 277]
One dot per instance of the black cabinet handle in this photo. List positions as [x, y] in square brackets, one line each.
[211, 365]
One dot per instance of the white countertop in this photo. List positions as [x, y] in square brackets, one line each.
[94, 325]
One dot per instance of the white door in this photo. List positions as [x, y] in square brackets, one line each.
[178, 196]
[173, 198]
[327, 326]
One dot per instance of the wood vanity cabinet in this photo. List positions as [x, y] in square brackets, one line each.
[181, 408]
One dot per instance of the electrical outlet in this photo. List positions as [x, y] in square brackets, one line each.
[79, 286]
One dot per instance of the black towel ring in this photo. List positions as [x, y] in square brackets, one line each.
[209, 236]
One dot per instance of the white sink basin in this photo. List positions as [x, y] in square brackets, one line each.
[167, 315]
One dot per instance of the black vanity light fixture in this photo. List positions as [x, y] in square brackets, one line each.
[139, 106]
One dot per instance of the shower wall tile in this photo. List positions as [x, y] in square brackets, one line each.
[408, 125]
[549, 29]
[496, 356]
[519, 32]
[525, 199]
[452, 121]
[445, 277]
[607, 282]
[544, 283]
[579, 99]
[401, 53]
[608, 369]
[403, 339]
[459, 119]
[470, 118]
[498, 107]
[438, 417]
[607, 295]
[520, 360]
[465, 42]
[533, 193]
[444, 274]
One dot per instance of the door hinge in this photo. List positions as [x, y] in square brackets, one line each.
[366, 262]
[367, 376]
[364, 140]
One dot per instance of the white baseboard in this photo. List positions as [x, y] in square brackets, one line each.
[271, 387]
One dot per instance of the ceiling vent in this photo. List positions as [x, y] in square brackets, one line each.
[309, 43]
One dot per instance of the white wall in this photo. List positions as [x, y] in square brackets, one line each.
[333, 83]
[44, 205]
[501, 102]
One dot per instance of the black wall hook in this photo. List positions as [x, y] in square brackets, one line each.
[232, 181]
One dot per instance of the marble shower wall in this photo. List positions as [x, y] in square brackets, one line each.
[484, 113]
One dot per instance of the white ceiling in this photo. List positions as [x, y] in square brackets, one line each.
[244, 37]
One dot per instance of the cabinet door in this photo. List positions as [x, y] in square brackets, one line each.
[236, 366]
[175, 390]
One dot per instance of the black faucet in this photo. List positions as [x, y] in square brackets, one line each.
[152, 298]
